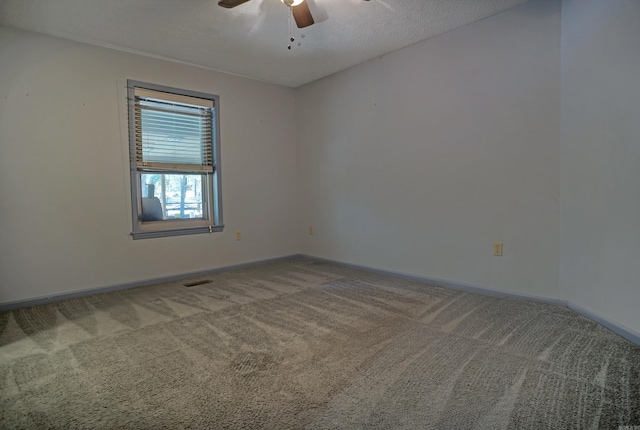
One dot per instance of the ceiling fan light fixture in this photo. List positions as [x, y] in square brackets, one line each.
[292, 3]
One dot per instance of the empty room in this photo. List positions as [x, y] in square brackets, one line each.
[320, 214]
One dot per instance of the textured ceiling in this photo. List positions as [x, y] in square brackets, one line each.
[251, 39]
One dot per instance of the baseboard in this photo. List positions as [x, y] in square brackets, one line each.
[619, 329]
[7, 306]
[446, 283]
[625, 332]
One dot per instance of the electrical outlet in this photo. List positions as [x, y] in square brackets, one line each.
[238, 235]
[310, 230]
[497, 249]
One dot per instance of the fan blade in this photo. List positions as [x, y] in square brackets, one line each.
[231, 3]
[302, 15]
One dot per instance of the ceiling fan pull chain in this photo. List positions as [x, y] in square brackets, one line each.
[291, 39]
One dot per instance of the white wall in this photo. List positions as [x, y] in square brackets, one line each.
[600, 158]
[418, 161]
[64, 206]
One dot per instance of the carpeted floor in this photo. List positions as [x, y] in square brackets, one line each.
[302, 344]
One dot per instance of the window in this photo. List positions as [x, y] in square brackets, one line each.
[175, 161]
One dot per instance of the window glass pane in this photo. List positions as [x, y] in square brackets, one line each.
[181, 196]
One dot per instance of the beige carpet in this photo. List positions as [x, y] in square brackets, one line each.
[303, 344]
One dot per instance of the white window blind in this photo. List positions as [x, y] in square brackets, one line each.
[173, 132]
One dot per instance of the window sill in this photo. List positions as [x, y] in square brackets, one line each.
[176, 232]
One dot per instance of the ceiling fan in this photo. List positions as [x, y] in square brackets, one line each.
[299, 8]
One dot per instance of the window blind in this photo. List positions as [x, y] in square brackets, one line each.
[173, 132]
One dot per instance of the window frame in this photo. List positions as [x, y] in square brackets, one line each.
[213, 195]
